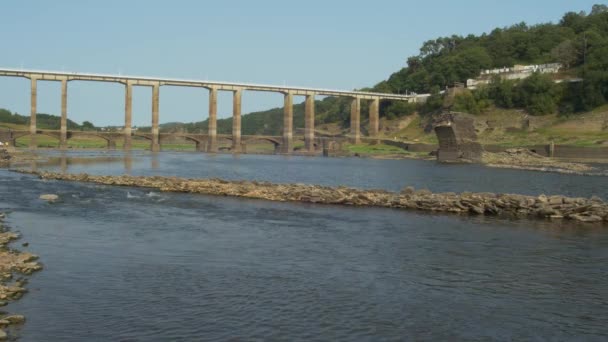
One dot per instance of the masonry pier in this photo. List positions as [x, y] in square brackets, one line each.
[155, 107]
[355, 120]
[288, 123]
[309, 123]
[128, 115]
[236, 120]
[212, 143]
[33, 102]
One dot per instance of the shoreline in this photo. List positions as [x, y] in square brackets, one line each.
[501, 160]
[14, 266]
[558, 208]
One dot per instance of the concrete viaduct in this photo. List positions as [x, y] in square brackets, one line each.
[204, 142]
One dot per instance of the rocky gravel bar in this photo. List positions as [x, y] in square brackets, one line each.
[588, 210]
[13, 265]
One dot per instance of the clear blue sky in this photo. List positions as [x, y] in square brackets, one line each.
[329, 44]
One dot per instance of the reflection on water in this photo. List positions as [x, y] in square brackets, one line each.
[391, 175]
[131, 264]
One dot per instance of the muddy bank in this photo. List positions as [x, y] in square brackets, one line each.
[13, 266]
[11, 155]
[590, 210]
[524, 159]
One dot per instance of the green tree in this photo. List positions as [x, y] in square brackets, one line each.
[538, 94]
[466, 102]
[88, 126]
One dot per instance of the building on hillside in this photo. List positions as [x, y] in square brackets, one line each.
[517, 72]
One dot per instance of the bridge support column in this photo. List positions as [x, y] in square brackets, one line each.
[111, 145]
[236, 120]
[128, 115]
[63, 138]
[201, 146]
[374, 112]
[288, 123]
[33, 102]
[212, 143]
[309, 123]
[155, 105]
[355, 120]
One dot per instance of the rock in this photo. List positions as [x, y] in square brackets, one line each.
[553, 207]
[553, 200]
[585, 218]
[49, 197]
[596, 199]
[3, 335]
[409, 190]
[476, 210]
[542, 199]
[15, 319]
[423, 192]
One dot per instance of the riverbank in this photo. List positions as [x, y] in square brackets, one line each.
[524, 159]
[587, 210]
[12, 263]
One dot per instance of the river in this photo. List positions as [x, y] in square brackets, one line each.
[130, 264]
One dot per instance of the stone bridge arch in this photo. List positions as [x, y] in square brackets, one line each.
[199, 141]
[274, 141]
[21, 134]
[110, 139]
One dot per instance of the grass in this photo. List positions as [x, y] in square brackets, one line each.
[378, 149]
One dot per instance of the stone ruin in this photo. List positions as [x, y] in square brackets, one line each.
[457, 138]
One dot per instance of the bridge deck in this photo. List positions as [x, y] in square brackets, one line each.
[229, 86]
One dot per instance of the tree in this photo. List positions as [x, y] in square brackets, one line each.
[502, 91]
[465, 102]
[88, 126]
[538, 94]
[598, 8]
[565, 53]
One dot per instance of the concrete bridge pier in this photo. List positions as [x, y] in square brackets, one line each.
[111, 144]
[374, 113]
[155, 131]
[33, 102]
[288, 123]
[63, 136]
[309, 123]
[128, 115]
[212, 143]
[201, 146]
[355, 120]
[236, 120]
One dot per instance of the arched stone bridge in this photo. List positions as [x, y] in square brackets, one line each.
[200, 140]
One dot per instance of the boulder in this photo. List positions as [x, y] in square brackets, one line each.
[49, 197]
[15, 319]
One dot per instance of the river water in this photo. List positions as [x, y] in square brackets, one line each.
[128, 264]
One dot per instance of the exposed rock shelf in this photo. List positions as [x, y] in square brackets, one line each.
[512, 205]
[12, 262]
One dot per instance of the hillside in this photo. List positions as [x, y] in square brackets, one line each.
[513, 127]
[43, 121]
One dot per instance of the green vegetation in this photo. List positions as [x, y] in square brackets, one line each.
[374, 149]
[43, 121]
